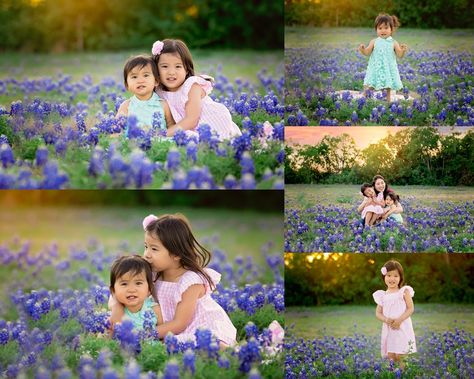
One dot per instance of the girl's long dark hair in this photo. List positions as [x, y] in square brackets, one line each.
[174, 232]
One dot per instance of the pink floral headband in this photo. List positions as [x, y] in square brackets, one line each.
[148, 220]
[157, 47]
[383, 270]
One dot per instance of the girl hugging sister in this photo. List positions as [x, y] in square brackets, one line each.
[372, 205]
[188, 94]
[382, 71]
[391, 210]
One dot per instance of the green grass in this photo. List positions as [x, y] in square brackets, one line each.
[301, 195]
[416, 39]
[244, 64]
[236, 232]
[342, 320]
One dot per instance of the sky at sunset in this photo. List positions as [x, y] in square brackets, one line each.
[363, 136]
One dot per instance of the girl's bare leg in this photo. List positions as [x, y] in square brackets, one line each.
[375, 216]
[368, 217]
[388, 95]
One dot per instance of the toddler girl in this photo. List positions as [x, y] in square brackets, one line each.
[183, 284]
[141, 78]
[131, 283]
[394, 308]
[382, 71]
[371, 207]
[186, 93]
[392, 201]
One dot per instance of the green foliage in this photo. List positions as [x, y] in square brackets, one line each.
[262, 319]
[153, 356]
[51, 25]
[27, 149]
[433, 14]
[7, 130]
[419, 156]
[352, 278]
[8, 353]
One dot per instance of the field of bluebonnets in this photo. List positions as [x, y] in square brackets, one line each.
[437, 73]
[53, 310]
[354, 353]
[324, 218]
[57, 115]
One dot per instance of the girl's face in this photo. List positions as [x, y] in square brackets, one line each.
[369, 192]
[158, 256]
[392, 279]
[141, 82]
[384, 30]
[379, 185]
[172, 71]
[388, 201]
[132, 290]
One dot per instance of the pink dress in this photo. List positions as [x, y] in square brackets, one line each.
[216, 115]
[374, 208]
[208, 314]
[398, 341]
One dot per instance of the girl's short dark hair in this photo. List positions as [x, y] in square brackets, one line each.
[364, 187]
[176, 46]
[139, 61]
[135, 265]
[395, 265]
[174, 232]
[384, 18]
[392, 195]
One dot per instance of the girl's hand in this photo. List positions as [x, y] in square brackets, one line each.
[362, 48]
[396, 324]
[389, 321]
[404, 47]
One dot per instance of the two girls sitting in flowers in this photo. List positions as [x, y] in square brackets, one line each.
[170, 286]
[166, 92]
[380, 203]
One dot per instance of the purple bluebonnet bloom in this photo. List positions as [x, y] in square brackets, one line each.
[171, 370]
[173, 159]
[41, 156]
[189, 361]
[6, 155]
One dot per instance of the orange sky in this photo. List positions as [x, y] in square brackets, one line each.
[363, 136]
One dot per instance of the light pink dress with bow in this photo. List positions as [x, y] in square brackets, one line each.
[215, 114]
[208, 314]
[398, 341]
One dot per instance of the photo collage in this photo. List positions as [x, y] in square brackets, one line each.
[252, 189]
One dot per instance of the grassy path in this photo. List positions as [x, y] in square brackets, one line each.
[342, 320]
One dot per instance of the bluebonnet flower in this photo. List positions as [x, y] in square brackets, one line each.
[173, 159]
[246, 163]
[189, 359]
[205, 134]
[230, 182]
[4, 139]
[180, 137]
[247, 182]
[41, 156]
[171, 370]
[6, 155]
[171, 343]
[191, 151]
[249, 352]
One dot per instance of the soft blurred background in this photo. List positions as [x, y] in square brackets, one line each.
[237, 222]
[45, 37]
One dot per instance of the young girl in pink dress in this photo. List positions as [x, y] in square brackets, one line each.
[394, 308]
[371, 207]
[187, 94]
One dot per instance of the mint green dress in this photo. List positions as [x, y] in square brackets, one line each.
[382, 71]
[144, 110]
[139, 317]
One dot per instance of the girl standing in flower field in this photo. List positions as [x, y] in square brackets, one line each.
[382, 71]
[392, 202]
[131, 283]
[187, 94]
[394, 308]
[140, 77]
[183, 284]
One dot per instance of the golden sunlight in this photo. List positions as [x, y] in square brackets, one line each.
[34, 3]
[371, 261]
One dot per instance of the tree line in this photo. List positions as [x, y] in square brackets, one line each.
[337, 279]
[65, 25]
[412, 13]
[416, 156]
